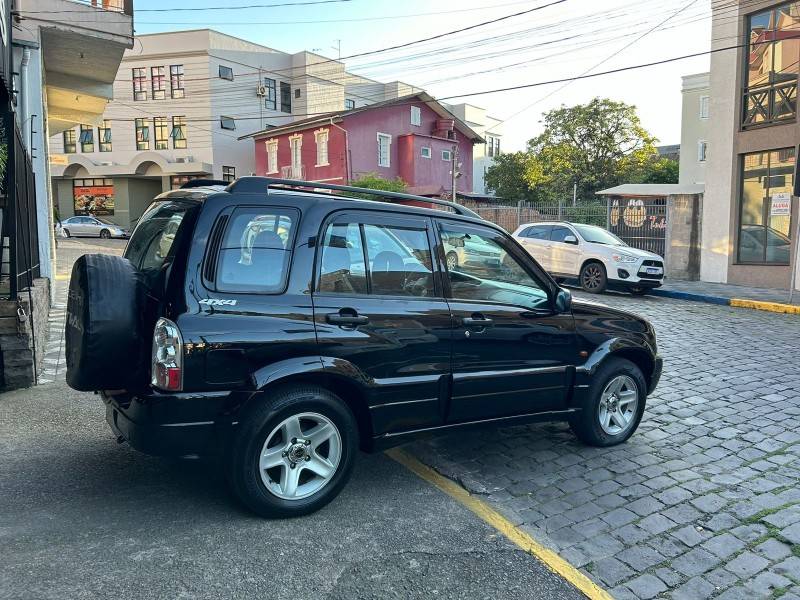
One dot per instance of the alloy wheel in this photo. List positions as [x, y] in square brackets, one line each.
[300, 456]
[592, 276]
[618, 403]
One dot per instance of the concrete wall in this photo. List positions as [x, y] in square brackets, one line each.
[682, 254]
[694, 128]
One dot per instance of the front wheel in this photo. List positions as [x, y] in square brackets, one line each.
[614, 404]
[294, 453]
[105, 234]
[593, 278]
[66, 233]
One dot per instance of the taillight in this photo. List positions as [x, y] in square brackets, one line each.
[167, 367]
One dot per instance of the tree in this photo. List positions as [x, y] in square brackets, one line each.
[508, 177]
[376, 182]
[594, 145]
[659, 170]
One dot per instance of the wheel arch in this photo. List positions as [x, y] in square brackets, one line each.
[593, 259]
[620, 348]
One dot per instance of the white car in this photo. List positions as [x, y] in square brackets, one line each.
[598, 259]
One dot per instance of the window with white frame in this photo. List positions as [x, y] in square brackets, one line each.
[272, 156]
[447, 155]
[702, 150]
[384, 149]
[704, 101]
[296, 147]
[425, 152]
[416, 116]
[321, 136]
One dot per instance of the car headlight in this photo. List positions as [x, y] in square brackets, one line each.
[624, 258]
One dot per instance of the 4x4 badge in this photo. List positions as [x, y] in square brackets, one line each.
[215, 302]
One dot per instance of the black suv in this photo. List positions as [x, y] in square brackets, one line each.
[283, 329]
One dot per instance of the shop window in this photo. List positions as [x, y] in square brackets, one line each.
[286, 97]
[87, 138]
[70, 142]
[93, 197]
[104, 136]
[229, 174]
[139, 83]
[158, 83]
[161, 133]
[142, 135]
[176, 81]
[270, 94]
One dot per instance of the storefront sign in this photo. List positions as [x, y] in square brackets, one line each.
[781, 205]
[95, 200]
[60, 160]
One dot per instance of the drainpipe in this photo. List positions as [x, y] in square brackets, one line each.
[23, 84]
[346, 152]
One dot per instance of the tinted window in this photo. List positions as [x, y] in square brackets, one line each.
[152, 240]
[343, 270]
[486, 271]
[537, 232]
[559, 233]
[399, 261]
[255, 251]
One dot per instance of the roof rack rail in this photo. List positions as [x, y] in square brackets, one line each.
[254, 184]
[196, 183]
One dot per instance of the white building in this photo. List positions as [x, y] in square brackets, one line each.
[181, 102]
[488, 128]
[696, 92]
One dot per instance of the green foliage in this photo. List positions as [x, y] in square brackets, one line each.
[374, 181]
[659, 170]
[508, 178]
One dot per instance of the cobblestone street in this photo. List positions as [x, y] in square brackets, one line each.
[703, 501]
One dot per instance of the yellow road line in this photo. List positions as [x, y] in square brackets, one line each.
[552, 560]
[769, 306]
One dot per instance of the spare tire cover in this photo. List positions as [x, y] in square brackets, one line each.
[105, 345]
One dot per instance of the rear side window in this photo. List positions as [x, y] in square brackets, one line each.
[152, 241]
[256, 249]
[537, 232]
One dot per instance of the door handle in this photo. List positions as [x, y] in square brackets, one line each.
[347, 317]
[477, 321]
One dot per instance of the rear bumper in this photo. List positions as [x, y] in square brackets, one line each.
[172, 425]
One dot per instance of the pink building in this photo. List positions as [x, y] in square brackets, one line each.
[412, 137]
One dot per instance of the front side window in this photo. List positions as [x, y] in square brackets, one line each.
[229, 174]
[178, 133]
[384, 149]
[272, 156]
[772, 59]
[322, 147]
[142, 135]
[764, 218]
[139, 77]
[161, 131]
[255, 251]
[481, 269]
[286, 97]
[559, 233]
[70, 142]
[104, 137]
[87, 138]
[158, 82]
[176, 81]
[270, 94]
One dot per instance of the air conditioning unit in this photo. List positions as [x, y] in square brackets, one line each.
[184, 159]
[261, 91]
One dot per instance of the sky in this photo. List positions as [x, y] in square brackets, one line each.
[558, 40]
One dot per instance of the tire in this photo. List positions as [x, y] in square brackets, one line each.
[66, 233]
[105, 234]
[593, 278]
[270, 495]
[587, 424]
[452, 261]
[639, 291]
[106, 348]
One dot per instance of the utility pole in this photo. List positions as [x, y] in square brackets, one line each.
[574, 193]
[453, 172]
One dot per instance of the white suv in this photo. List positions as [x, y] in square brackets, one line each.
[596, 257]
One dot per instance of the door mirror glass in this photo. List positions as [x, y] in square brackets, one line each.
[563, 300]
[571, 239]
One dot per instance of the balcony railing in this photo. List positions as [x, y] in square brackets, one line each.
[769, 104]
[294, 172]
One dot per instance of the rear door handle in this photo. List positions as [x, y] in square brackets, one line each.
[477, 322]
[344, 318]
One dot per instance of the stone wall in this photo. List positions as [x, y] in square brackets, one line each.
[684, 227]
[16, 337]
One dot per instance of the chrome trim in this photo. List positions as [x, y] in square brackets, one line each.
[403, 402]
[507, 392]
[187, 424]
[511, 372]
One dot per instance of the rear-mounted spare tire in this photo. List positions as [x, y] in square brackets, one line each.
[106, 348]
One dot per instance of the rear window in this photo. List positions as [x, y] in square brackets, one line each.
[152, 241]
[255, 250]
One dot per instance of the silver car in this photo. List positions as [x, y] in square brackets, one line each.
[91, 227]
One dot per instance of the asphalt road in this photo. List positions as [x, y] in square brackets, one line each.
[83, 517]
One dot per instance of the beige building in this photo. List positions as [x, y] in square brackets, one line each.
[750, 216]
[488, 128]
[181, 102]
[696, 91]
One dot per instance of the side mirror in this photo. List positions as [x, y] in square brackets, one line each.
[563, 300]
[571, 239]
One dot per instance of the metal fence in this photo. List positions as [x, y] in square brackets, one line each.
[639, 222]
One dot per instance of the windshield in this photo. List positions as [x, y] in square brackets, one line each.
[598, 235]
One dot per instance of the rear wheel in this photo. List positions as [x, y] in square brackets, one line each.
[613, 406]
[105, 234]
[66, 233]
[294, 453]
[452, 261]
[593, 278]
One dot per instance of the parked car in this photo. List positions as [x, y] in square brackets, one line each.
[283, 330]
[88, 226]
[597, 258]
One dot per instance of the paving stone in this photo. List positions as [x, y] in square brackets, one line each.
[646, 586]
[611, 571]
[695, 588]
[709, 503]
[668, 576]
[723, 545]
[746, 565]
[736, 593]
[773, 549]
[655, 524]
[790, 566]
[645, 506]
[689, 535]
[619, 517]
[640, 557]
[766, 583]
[695, 562]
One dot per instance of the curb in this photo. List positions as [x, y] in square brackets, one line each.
[776, 307]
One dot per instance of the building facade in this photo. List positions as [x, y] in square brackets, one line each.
[750, 214]
[412, 137]
[483, 155]
[696, 93]
[182, 101]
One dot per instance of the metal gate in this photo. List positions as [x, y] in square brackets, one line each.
[640, 222]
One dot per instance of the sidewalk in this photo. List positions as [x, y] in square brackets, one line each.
[723, 293]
